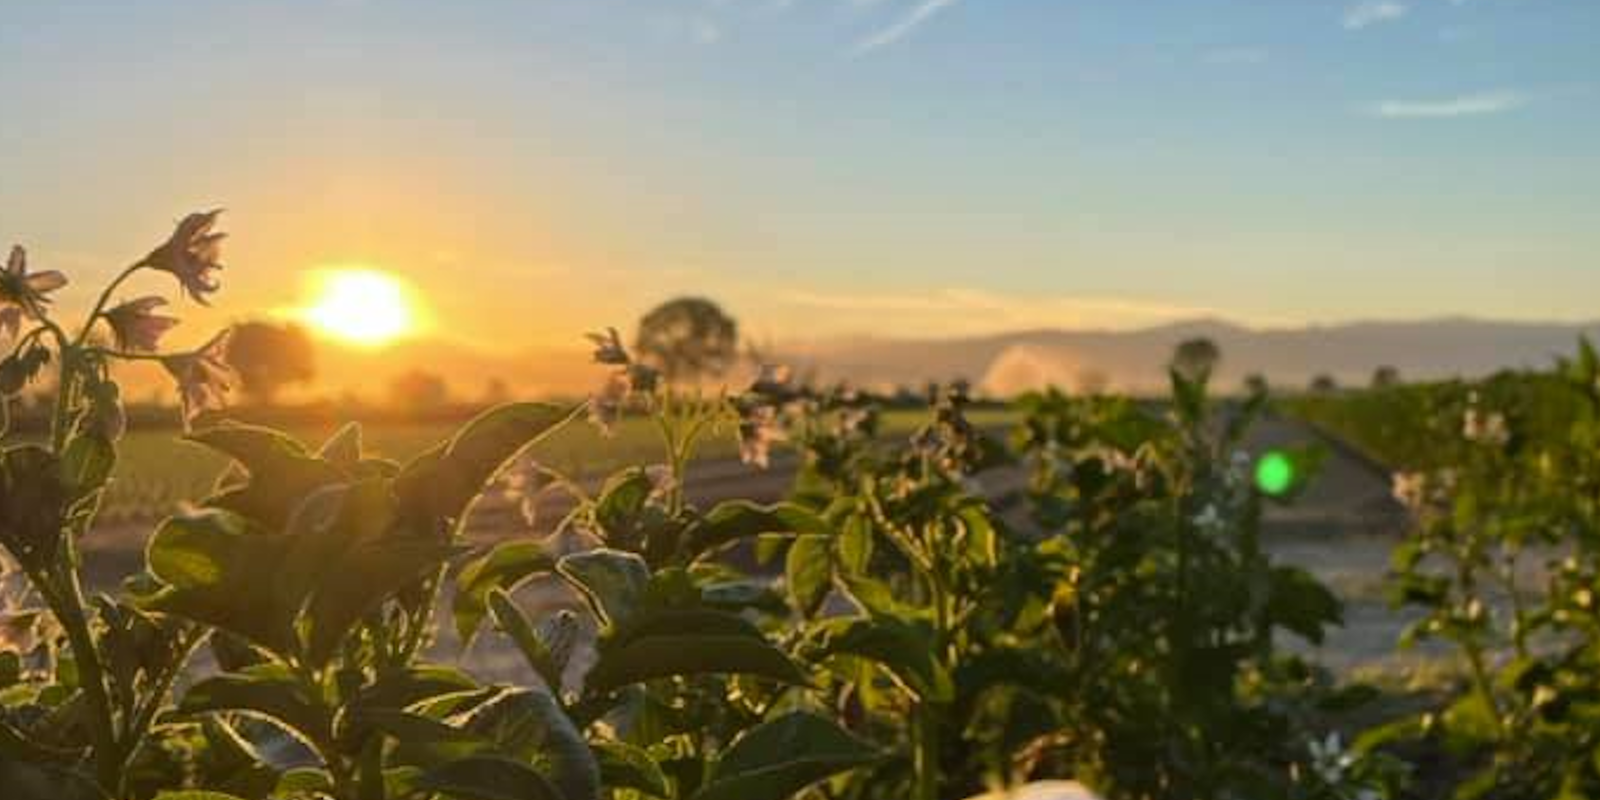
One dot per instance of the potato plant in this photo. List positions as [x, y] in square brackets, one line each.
[925, 617]
[310, 577]
[1502, 562]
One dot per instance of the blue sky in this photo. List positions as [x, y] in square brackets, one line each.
[538, 167]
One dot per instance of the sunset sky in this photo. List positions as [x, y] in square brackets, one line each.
[537, 168]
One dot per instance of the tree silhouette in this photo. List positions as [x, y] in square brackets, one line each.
[1324, 384]
[417, 391]
[1195, 359]
[688, 339]
[269, 356]
[1385, 377]
[1255, 384]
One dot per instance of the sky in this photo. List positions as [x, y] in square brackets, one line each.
[539, 168]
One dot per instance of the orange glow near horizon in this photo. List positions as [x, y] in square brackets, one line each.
[361, 306]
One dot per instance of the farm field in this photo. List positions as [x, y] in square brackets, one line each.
[157, 470]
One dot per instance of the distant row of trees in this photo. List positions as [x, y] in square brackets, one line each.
[1199, 357]
[688, 339]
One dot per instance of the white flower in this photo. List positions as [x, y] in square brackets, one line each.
[1411, 489]
[758, 431]
[1485, 428]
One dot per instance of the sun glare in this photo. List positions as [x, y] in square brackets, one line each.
[360, 306]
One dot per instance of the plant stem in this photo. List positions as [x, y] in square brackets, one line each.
[925, 755]
[69, 611]
[100, 304]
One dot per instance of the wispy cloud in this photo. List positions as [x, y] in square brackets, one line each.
[924, 11]
[1469, 105]
[1237, 56]
[969, 310]
[1373, 12]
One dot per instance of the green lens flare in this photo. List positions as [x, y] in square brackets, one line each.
[1274, 474]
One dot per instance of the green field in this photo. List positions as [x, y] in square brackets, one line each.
[157, 470]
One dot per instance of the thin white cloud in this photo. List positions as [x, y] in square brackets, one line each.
[1373, 12]
[1243, 56]
[903, 27]
[1470, 105]
[969, 310]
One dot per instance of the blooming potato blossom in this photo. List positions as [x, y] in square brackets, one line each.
[758, 432]
[192, 255]
[23, 295]
[136, 327]
[204, 377]
[1485, 427]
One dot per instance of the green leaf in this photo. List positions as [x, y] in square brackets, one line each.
[268, 690]
[904, 647]
[33, 505]
[394, 690]
[343, 448]
[651, 657]
[86, 463]
[372, 573]
[196, 794]
[23, 781]
[808, 572]
[621, 501]
[219, 569]
[623, 766]
[739, 519]
[487, 777]
[442, 482]
[1298, 602]
[780, 758]
[281, 471]
[505, 566]
[531, 725]
[611, 580]
[511, 621]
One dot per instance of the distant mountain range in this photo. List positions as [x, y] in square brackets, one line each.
[1003, 364]
[1135, 360]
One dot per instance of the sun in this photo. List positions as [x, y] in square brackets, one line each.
[366, 307]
